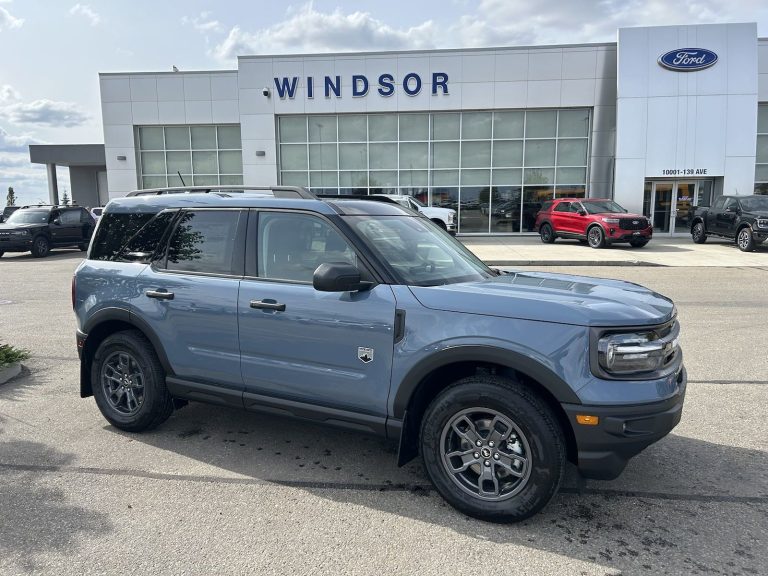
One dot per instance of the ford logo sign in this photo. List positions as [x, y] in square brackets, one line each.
[688, 59]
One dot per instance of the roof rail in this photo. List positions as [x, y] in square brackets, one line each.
[373, 198]
[277, 191]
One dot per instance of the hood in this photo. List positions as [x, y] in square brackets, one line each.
[560, 298]
[435, 210]
[5, 227]
[757, 213]
[618, 215]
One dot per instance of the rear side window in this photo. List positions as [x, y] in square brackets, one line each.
[546, 207]
[114, 232]
[70, 217]
[206, 241]
[563, 207]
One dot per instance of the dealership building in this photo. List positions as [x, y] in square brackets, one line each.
[661, 120]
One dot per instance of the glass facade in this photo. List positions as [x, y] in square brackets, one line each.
[203, 155]
[761, 168]
[494, 168]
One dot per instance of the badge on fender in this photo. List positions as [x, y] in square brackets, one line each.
[365, 355]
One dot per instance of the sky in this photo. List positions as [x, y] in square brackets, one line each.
[51, 51]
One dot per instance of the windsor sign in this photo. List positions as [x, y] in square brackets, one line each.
[411, 84]
[687, 59]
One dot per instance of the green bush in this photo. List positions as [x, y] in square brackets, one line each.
[11, 355]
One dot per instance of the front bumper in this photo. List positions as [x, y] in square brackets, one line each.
[16, 244]
[622, 432]
[618, 235]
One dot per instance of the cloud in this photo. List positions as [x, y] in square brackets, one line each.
[203, 23]
[8, 94]
[44, 112]
[8, 21]
[15, 144]
[309, 30]
[87, 12]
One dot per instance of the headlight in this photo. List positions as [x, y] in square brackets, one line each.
[762, 223]
[637, 352]
[20, 233]
[451, 217]
[610, 220]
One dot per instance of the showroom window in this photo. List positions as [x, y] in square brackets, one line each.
[203, 155]
[495, 168]
[761, 168]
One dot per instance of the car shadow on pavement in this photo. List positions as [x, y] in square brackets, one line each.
[56, 254]
[682, 506]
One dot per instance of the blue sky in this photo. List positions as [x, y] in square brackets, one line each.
[52, 51]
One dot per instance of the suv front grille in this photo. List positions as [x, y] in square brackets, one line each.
[633, 223]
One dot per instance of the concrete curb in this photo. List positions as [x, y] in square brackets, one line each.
[10, 372]
[571, 263]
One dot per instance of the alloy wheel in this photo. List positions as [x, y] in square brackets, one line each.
[123, 382]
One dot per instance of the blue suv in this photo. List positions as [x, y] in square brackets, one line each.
[364, 314]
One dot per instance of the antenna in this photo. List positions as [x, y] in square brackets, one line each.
[180, 178]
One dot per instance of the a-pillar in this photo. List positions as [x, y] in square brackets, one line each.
[53, 184]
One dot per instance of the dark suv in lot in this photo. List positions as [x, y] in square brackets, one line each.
[38, 229]
[367, 315]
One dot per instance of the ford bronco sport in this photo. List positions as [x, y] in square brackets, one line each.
[365, 315]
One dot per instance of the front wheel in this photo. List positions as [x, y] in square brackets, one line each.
[699, 234]
[638, 243]
[493, 449]
[40, 247]
[596, 237]
[547, 234]
[440, 223]
[744, 240]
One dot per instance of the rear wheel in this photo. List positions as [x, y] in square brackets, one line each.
[638, 243]
[698, 233]
[744, 240]
[40, 247]
[547, 234]
[1, 254]
[493, 449]
[596, 237]
[82, 247]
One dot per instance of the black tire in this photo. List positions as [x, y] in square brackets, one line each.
[699, 233]
[153, 402]
[596, 237]
[744, 239]
[82, 247]
[638, 243]
[537, 435]
[1, 254]
[547, 234]
[40, 247]
[440, 223]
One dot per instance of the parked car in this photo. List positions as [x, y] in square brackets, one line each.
[38, 229]
[595, 221]
[361, 314]
[7, 211]
[743, 218]
[443, 217]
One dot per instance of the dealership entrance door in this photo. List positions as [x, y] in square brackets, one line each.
[670, 203]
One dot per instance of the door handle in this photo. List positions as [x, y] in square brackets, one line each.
[161, 294]
[268, 305]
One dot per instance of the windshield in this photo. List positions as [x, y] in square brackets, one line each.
[29, 217]
[418, 253]
[602, 206]
[755, 203]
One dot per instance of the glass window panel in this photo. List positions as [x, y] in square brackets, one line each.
[323, 179]
[231, 162]
[471, 217]
[174, 180]
[539, 176]
[540, 153]
[323, 157]
[382, 127]
[541, 124]
[762, 149]
[204, 163]
[293, 156]
[203, 138]
[508, 124]
[762, 119]
[229, 138]
[507, 153]
[322, 128]
[445, 155]
[353, 179]
[177, 138]
[446, 126]
[414, 155]
[573, 123]
[352, 128]
[204, 242]
[761, 189]
[475, 154]
[293, 178]
[293, 129]
[151, 138]
[352, 191]
[413, 178]
[384, 178]
[571, 175]
[179, 162]
[445, 178]
[761, 173]
[507, 176]
[353, 156]
[153, 182]
[234, 180]
[152, 163]
[445, 197]
[205, 180]
[383, 156]
[414, 127]
[476, 125]
[570, 192]
[533, 198]
[572, 152]
[505, 209]
[475, 177]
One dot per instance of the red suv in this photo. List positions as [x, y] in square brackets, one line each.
[595, 221]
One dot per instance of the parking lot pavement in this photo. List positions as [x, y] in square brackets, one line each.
[218, 491]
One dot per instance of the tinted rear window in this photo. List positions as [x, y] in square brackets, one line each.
[121, 233]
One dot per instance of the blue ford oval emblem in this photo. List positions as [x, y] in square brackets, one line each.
[688, 59]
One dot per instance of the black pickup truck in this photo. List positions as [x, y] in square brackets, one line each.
[742, 218]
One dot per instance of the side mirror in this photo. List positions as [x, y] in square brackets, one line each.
[730, 209]
[582, 212]
[57, 221]
[338, 277]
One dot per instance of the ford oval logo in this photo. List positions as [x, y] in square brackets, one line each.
[688, 59]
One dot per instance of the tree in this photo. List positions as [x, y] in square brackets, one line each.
[65, 199]
[11, 199]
